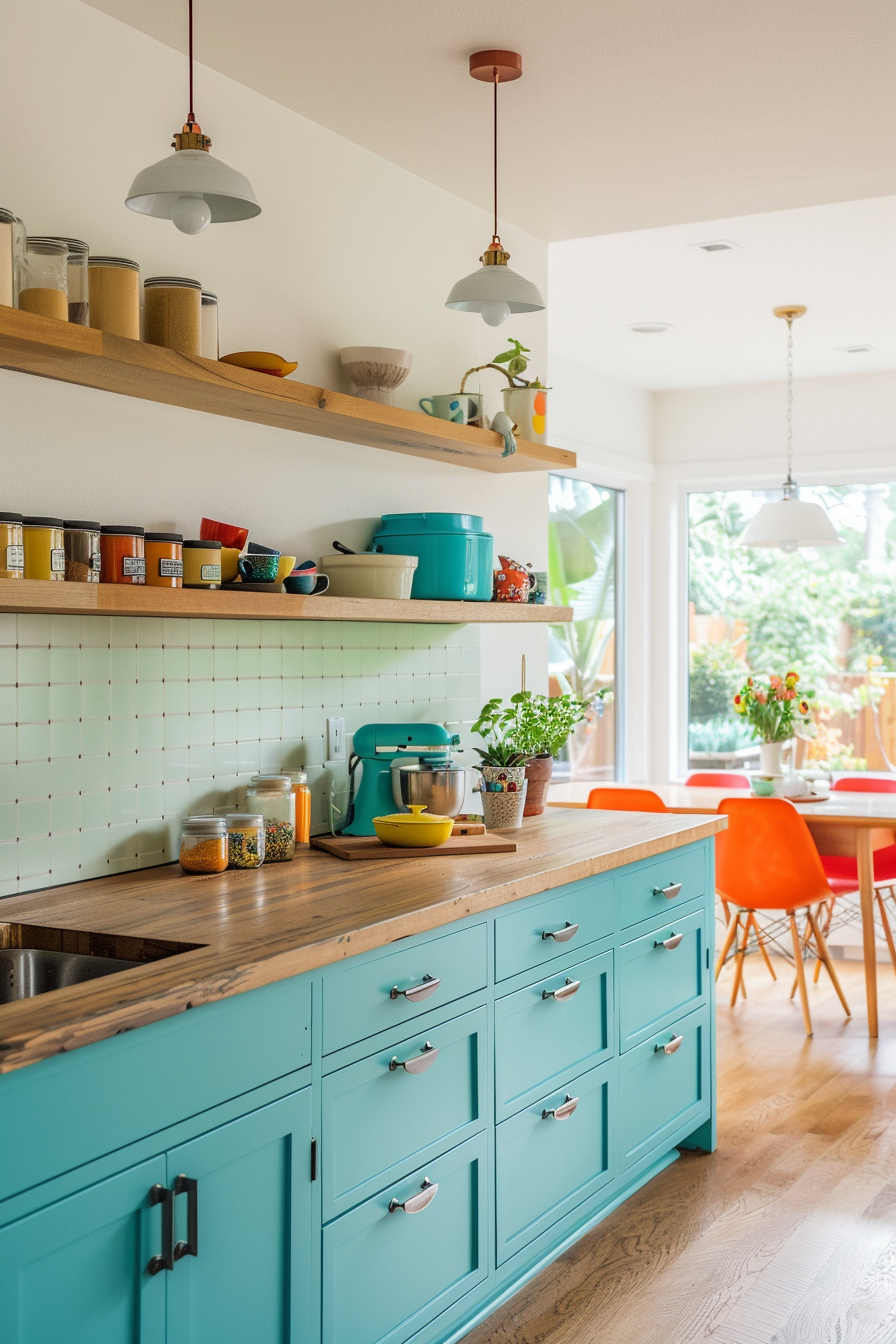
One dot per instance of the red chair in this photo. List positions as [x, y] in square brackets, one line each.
[766, 860]
[717, 779]
[842, 870]
[626, 800]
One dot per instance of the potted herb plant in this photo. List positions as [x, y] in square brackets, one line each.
[773, 709]
[526, 403]
[504, 787]
[536, 726]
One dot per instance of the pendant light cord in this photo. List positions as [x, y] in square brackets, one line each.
[191, 120]
[495, 149]
[790, 401]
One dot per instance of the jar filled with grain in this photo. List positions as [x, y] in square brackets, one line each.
[203, 845]
[202, 564]
[208, 326]
[122, 555]
[245, 839]
[114, 296]
[12, 250]
[76, 279]
[43, 278]
[172, 313]
[272, 796]
[44, 542]
[164, 554]
[12, 548]
[82, 552]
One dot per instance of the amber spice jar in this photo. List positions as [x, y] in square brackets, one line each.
[123, 559]
[164, 553]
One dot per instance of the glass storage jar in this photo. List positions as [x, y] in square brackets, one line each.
[245, 839]
[203, 845]
[272, 796]
[12, 549]
[12, 249]
[208, 326]
[202, 564]
[171, 313]
[114, 296]
[42, 278]
[76, 279]
[82, 552]
[44, 542]
[302, 794]
[164, 555]
[122, 555]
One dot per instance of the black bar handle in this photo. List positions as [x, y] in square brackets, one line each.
[160, 1194]
[186, 1185]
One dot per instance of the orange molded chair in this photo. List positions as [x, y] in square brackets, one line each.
[862, 784]
[717, 779]
[842, 870]
[626, 800]
[766, 860]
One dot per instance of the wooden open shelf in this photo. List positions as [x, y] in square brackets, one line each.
[116, 599]
[73, 354]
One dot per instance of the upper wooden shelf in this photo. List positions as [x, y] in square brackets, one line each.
[117, 599]
[73, 354]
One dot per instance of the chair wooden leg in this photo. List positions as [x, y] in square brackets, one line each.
[796, 978]
[739, 962]
[730, 936]
[800, 973]
[828, 964]
[888, 932]
[829, 906]
[760, 940]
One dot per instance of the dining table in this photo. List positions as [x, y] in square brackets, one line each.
[842, 823]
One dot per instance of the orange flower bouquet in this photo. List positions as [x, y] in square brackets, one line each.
[774, 708]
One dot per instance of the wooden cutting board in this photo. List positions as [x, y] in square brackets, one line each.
[370, 847]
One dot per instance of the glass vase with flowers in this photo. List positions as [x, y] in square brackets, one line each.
[774, 708]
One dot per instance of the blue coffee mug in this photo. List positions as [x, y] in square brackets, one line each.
[259, 568]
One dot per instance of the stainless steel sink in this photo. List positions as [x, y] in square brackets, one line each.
[27, 971]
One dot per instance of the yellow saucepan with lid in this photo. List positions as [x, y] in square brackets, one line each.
[414, 830]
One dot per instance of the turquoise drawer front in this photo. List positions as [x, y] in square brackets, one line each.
[541, 1040]
[662, 973]
[523, 939]
[359, 1001]
[386, 1274]
[640, 893]
[379, 1120]
[662, 1094]
[545, 1167]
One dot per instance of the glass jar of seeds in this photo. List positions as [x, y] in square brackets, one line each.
[76, 279]
[43, 278]
[172, 309]
[272, 796]
[203, 845]
[82, 552]
[245, 839]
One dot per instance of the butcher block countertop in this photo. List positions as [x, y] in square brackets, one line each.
[247, 929]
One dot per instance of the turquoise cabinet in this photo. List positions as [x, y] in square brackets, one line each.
[656, 888]
[664, 1086]
[543, 930]
[662, 973]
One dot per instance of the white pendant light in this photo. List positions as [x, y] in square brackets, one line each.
[790, 522]
[495, 291]
[191, 188]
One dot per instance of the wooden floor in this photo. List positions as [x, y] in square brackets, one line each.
[787, 1235]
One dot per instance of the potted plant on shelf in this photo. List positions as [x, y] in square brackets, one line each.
[536, 726]
[525, 403]
[773, 708]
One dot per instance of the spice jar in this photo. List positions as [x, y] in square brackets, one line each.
[203, 845]
[44, 543]
[82, 552]
[76, 279]
[272, 796]
[12, 549]
[208, 326]
[245, 839]
[122, 553]
[171, 313]
[42, 278]
[12, 249]
[114, 296]
[302, 795]
[164, 556]
[202, 564]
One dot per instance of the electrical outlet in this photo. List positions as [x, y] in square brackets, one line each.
[336, 739]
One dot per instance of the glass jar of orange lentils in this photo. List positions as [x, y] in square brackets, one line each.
[203, 845]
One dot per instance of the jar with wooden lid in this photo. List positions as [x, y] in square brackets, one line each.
[12, 249]
[43, 278]
[12, 549]
[172, 313]
[202, 564]
[164, 554]
[245, 839]
[203, 845]
[114, 296]
[82, 552]
[44, 542]
[208, 326]
[302, 795]
[272, 796]
[122, 554]
[76, 279]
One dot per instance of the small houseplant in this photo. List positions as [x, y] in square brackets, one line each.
[537, 726]
[774, 708]
[526, 403]
[504, 786]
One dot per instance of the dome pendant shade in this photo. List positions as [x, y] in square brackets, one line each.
[193, 172]
[788, 524]
[495, 284]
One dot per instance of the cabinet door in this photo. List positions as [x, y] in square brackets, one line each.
[76, 1271]
[248, 1276]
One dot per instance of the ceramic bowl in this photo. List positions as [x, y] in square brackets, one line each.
[413, 831]
[226, 533]
[376, 370]
[286, 566]
[230, 558]
[300, 581]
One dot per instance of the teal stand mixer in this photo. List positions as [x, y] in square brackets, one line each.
[376, 746]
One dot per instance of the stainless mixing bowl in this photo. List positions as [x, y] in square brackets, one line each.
[440, 788]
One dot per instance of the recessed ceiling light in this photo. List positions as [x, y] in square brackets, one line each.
[854, 349]
[650, 328]
[718, 245]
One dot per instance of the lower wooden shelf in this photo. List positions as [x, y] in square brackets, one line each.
[114, 599]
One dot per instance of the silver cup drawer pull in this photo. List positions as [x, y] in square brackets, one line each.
[670, 1047]
[562, 1112]
[419, 1063]
[561, 935]
[669, 943]
[670, 892]
[417, 1203]
[564, 992]
[416, 993]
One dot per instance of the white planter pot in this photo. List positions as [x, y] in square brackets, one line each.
[771, 758]
[528, 409]
[503, 811]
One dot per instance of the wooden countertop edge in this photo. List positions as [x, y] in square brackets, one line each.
[159, 990]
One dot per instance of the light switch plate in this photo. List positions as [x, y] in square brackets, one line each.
[336, 739]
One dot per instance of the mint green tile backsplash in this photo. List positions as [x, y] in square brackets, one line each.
[112, 728]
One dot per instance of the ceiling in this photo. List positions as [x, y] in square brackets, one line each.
[838, 260]
[631, 114]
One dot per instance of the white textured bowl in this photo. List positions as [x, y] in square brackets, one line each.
[369, 575]
[376, 370]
